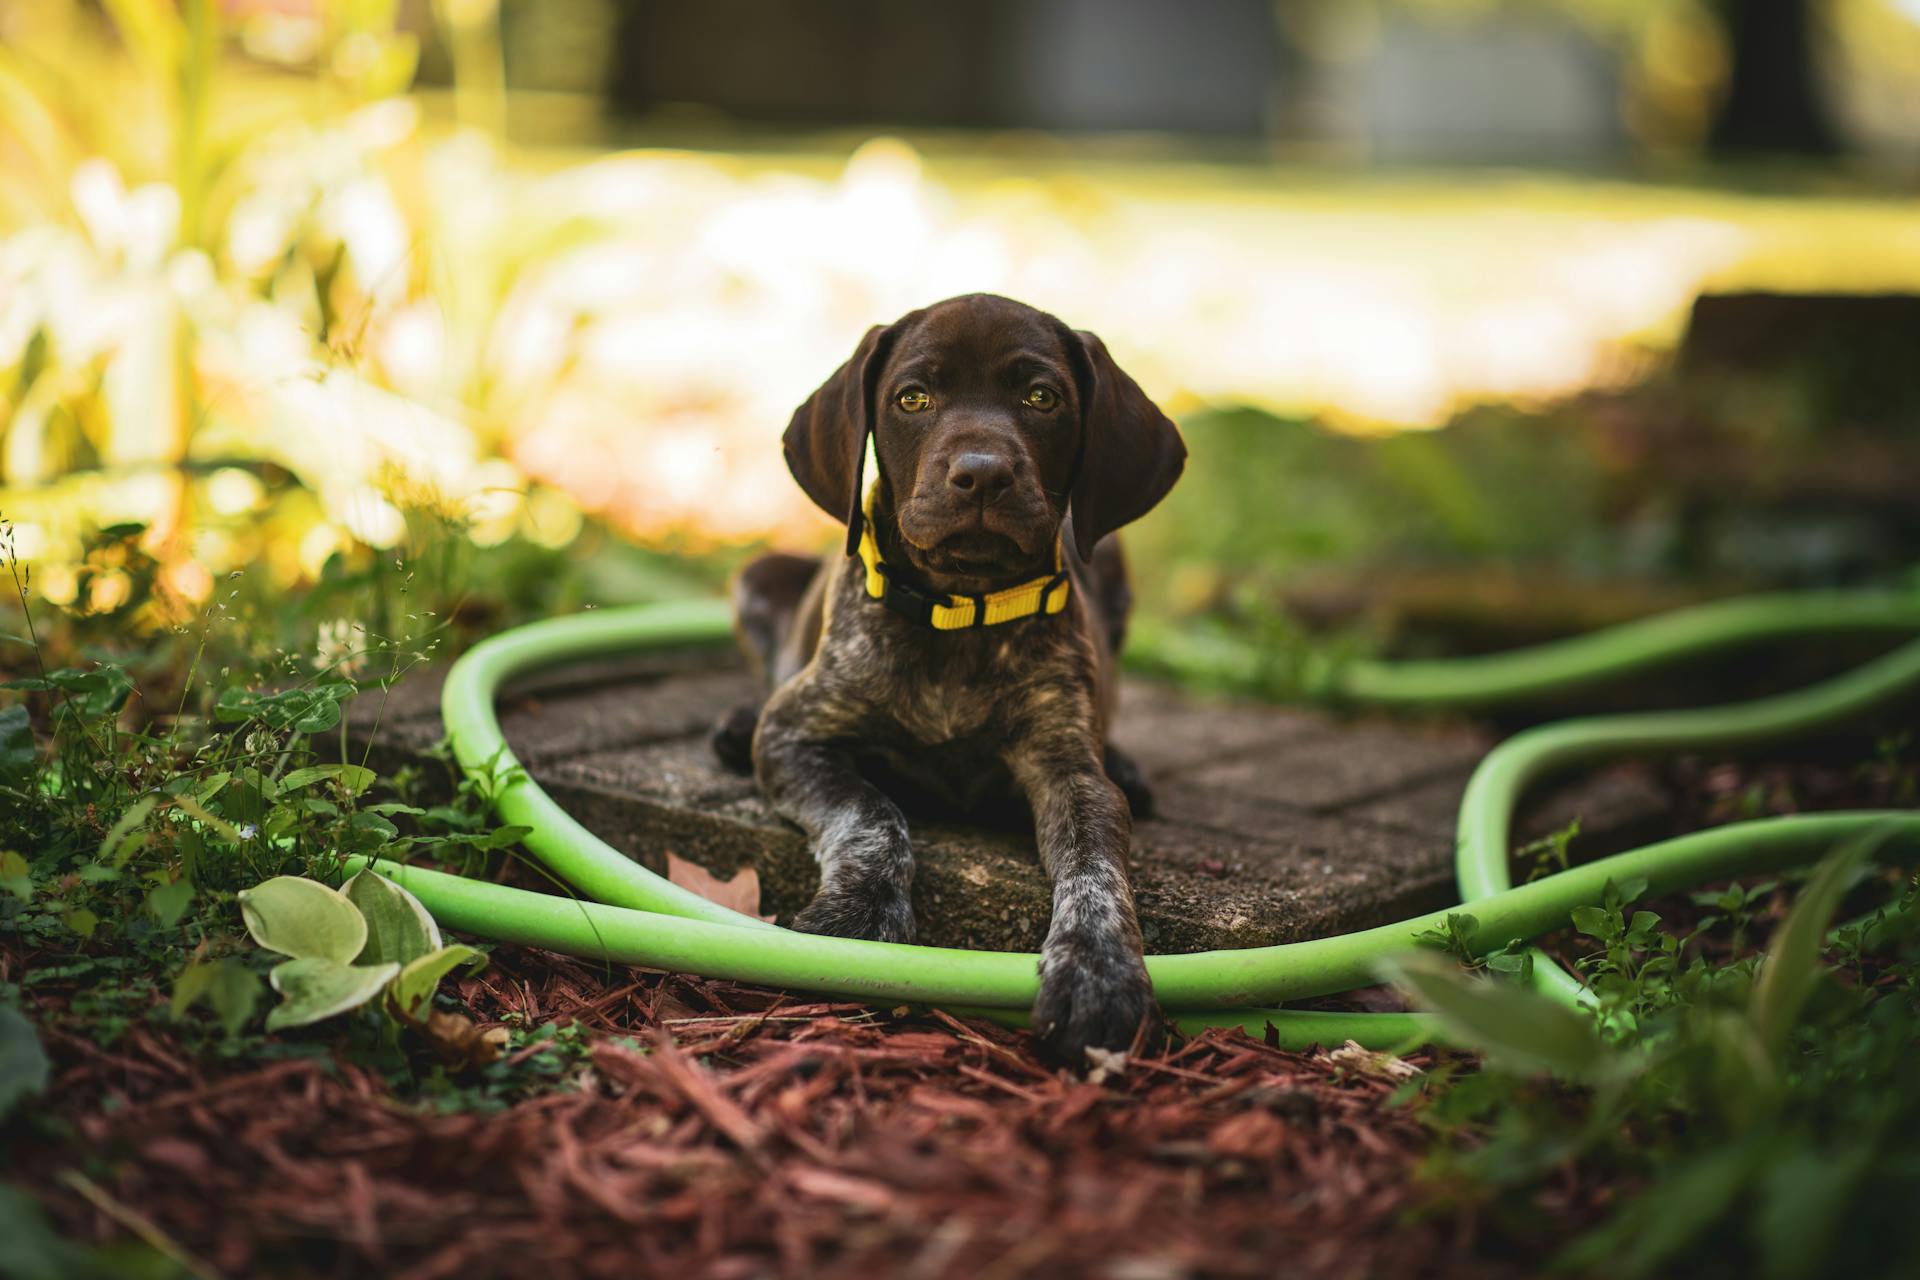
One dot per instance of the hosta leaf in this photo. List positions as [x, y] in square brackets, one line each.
[303, 919]
[414, 988]
[312, 989]
[398, 927]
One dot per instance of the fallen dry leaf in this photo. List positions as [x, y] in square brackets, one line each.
[459, 1043]
[742, 893]
[1104, 1063]
[1356, 1057]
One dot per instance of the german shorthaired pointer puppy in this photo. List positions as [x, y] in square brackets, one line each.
[962, 650]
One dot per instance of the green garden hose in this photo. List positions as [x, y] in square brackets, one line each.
[634, 916]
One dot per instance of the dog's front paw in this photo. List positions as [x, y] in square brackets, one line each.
[877, 911]
[1094, 993]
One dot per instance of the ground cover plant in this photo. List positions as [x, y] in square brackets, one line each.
[1744, 1065]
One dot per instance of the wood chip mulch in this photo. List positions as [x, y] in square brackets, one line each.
[749, 1133]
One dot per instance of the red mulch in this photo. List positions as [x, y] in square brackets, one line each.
[758, 1135]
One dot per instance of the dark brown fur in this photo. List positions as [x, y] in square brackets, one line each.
[974, 488]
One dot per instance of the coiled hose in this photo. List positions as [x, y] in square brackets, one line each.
[630, 915]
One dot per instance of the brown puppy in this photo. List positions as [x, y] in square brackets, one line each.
[965, 654]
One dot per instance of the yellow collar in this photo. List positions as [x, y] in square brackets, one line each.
[955, 613]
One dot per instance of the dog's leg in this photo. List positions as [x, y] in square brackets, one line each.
[768, 596]
[1131, 779]
[858, 835]
[1094, 989]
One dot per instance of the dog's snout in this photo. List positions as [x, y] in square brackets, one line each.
[983, 476]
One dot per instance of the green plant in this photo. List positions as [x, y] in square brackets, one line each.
[1753, 1115]
[24, 1070]
[347, 947]
[1736, 905]
[1549, 853]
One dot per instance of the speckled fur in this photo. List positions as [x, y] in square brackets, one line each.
[867, 707]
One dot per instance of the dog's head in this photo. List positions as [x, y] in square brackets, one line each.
[992, 423]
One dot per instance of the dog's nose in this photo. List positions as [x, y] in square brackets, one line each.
[983, 476]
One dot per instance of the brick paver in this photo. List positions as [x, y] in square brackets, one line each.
[1273, 824]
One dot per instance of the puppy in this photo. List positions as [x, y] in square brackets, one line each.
[962, 649]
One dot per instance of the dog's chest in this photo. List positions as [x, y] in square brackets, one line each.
[936, 704]
[945, 690]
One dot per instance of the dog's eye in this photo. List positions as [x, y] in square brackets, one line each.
[913, 400]
[1042, 398]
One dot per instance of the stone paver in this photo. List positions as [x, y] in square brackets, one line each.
[1272, 824]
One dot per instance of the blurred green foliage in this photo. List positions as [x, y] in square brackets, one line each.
[1742, 1115]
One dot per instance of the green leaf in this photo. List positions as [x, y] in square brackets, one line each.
[304, 919]
[81, 921]
[24, 1070]
[1792, 964]
[190, 986]
[35, 1251]
[1804, 1196]
[1519, 1031]
[1592, 921]
[398, 927]
[416, 984]
[15, 875]
[168, 902]
[226, 986]
[220, 826]
[135, 815]
[17, 750]
[307, 709]
[355, 778]
[314, 988]
[233, 994]
[1629, 889]
[102, 691]
[365, 831]
[1683, 1203]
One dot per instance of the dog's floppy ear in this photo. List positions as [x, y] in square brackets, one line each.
[826, 443]
[1130, 452]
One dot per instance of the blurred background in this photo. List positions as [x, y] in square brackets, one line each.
[1486, 319]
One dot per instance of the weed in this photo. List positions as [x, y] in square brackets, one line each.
[1548, 855]
[1751, 1117]
[154, 770]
